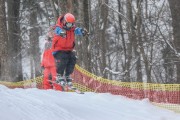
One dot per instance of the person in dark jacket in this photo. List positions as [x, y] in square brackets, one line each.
[63, 46]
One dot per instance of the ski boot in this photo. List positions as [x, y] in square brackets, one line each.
[71, 87]
[60, 80]
[69, 81]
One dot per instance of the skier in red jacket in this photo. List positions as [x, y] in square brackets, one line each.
[48, 63]
[63, 45]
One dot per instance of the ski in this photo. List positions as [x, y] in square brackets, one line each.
[75, 89]
[64, 88]
[67, 88]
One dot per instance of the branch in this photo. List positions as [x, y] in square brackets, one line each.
[167, 42]
[123, 16]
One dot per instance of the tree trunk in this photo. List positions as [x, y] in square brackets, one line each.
[34, 41]
[175, 13]
[4, 66]
[102, 36]
[55, 12]
[87, 54]
[120, 9]
[79, 45]
[14, 43]
[138, 39]
[62, 4]
[129, 43]
[70, 6]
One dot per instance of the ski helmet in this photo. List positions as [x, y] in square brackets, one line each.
[69, 18]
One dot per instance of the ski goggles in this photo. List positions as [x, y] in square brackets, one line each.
[69, 25]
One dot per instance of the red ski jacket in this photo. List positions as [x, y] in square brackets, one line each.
[63, 43]
[48, 59]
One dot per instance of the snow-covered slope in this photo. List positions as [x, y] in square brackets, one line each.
[35, 104]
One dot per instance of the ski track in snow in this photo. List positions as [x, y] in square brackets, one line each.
[35, 104]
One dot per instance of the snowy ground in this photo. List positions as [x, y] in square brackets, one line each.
[34, 104]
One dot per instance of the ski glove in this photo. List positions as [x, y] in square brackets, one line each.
[84, 32]
[63, 34]
[81, 31]
[60, 32]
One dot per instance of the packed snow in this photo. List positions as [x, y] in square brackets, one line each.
[35, 104]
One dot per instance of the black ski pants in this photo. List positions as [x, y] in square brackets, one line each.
[65, 62]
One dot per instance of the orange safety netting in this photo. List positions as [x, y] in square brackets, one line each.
[163, 95]
[166, 93]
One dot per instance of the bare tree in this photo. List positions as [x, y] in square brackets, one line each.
[131, 35]
[14, 42]
[175, 12]
[103, 24]
[34, 41]
[70, 7]
[85, 41]
[137, 40]
[55, 12]
[4, 65]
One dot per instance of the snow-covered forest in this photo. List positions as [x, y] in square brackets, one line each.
[129, 40]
